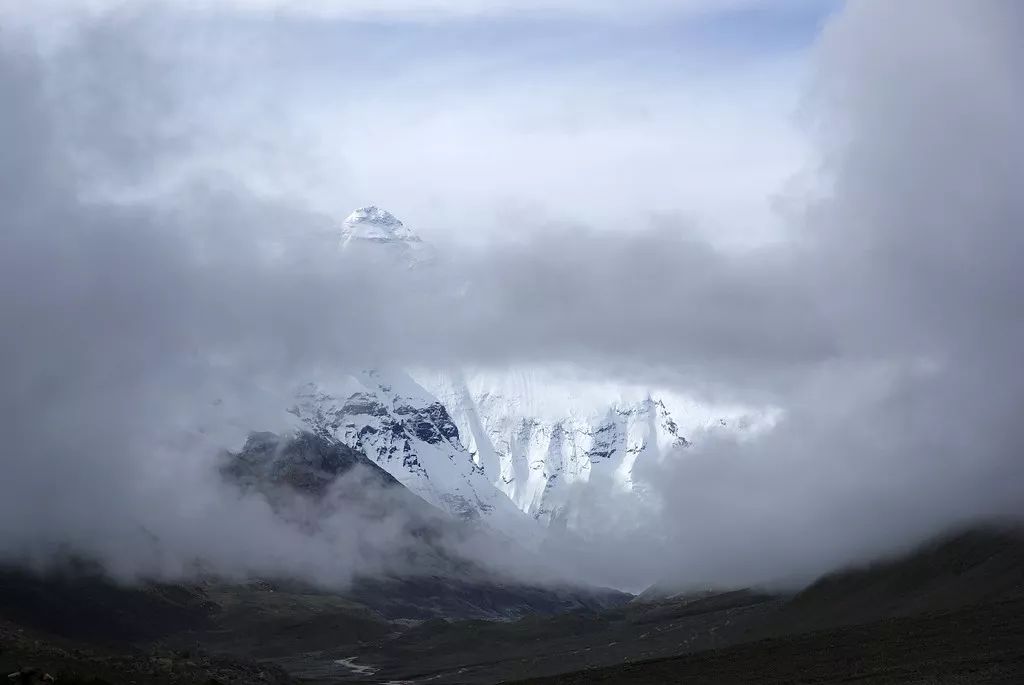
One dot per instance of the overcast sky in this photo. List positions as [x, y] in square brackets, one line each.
[801, 203]
[459, 115]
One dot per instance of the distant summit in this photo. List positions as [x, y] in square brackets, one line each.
[374, 226]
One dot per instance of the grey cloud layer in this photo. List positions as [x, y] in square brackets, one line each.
[916, 259]
[886, 324]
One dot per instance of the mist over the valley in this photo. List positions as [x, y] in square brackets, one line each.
[159, 302]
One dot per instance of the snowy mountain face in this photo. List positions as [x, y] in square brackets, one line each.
[410, 434]
[514, 449]
[373, 233]
[548, 438]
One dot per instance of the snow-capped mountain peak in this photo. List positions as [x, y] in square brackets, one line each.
[375, 233]
[376, 225]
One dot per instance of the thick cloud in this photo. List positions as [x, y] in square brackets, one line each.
[138, 341]
[883, 321]
[915, 257]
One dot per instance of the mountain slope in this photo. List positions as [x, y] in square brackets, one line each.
[549, 438]
[949, 611]
[305, 462]
[409, 433]
[428, 571]
[975, 565]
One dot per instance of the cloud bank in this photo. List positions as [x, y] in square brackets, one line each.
[883, 316]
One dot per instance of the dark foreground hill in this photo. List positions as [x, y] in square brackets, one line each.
[949, 612]
[76, 621]
[952, 611]
[972, 645]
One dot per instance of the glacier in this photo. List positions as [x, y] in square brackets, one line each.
[549, 435]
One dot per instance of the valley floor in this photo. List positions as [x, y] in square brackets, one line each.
[980, 644]
[951, 612]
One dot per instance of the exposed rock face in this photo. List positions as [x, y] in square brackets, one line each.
[306, 462]
[409, 433]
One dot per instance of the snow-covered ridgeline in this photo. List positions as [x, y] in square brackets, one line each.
[540, 433]
[409, 433]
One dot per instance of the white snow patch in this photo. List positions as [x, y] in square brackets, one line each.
[542, 433]
[358, 669]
